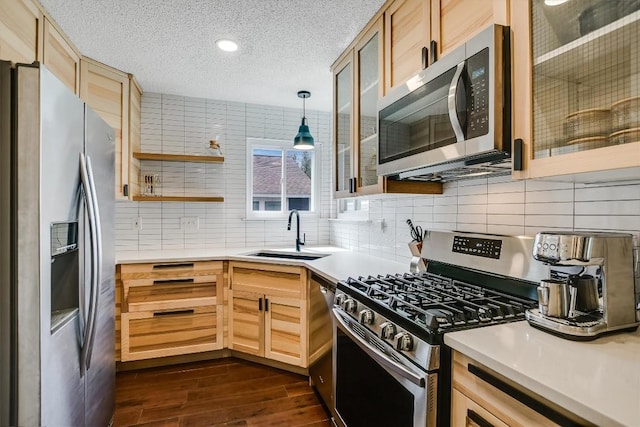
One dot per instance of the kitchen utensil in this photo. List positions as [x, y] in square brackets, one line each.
[416, 232]
[625, 114]
[594, 122]
[598, 15]
[625, 136]
[553, 297]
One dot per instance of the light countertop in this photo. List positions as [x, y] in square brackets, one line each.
[339, 265]
[597, 380]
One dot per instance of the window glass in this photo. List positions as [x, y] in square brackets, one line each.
[298, 176]
[280, 178]
[267, 177]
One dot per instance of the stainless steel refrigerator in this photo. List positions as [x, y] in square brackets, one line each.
[57, 320]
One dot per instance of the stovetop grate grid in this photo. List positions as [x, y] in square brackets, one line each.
[440, 304]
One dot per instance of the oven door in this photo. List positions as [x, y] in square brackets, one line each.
[374, 385]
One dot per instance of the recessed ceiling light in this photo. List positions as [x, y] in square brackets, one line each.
[227, 45]
[554, 2]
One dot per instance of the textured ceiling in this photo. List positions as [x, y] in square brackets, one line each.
[285, 45]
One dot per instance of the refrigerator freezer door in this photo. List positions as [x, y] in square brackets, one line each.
[49, 141]
[100, 385]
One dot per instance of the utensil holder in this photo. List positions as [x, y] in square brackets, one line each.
[417, 263]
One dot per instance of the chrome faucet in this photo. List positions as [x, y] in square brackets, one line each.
[304, 237]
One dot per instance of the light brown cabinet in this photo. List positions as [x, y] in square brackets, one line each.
[60, 57]
[453, 22]
[107, 91]
[21, 24]
[407, 32]
[268, 311]
[358, 84]
[576, 80]
[135, 142]
[169, 309]
[481, 397]
[412, 26]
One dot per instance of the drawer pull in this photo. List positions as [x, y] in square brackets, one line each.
[164, 266]
[259, 304]
[174, 281]
[521, 397]
[477, 419]
[171, 313]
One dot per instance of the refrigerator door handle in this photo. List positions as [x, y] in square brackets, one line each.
[95, 290]
[89, 206]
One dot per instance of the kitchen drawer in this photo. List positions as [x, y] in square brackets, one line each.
[171, 270]
[166, 294]
[170, 332]
[501, 398]
[468, 413]
[274, 280]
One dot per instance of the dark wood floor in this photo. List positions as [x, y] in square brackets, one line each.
[223, 392]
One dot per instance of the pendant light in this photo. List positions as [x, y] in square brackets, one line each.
[303, 140]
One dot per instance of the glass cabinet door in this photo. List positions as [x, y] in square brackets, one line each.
[343, 131]
[586, 82]
[368, 83]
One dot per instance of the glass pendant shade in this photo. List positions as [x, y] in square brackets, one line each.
[303, 140]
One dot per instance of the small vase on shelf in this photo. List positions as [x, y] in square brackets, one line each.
[214, 148]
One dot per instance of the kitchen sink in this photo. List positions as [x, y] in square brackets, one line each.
[306, 256]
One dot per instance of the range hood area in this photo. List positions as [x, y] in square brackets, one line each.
[484, 166]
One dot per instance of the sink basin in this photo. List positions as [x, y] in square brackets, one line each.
[306, 256]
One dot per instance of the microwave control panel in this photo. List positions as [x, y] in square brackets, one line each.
[478, 78]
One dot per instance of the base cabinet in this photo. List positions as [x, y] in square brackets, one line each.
[170, 309]
[481, 397]
[267, 317]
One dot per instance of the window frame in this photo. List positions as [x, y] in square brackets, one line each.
[283, 213]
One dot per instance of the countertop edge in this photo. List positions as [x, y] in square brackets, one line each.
[457, 343]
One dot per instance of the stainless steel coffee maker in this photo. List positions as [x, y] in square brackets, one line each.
[591, 286]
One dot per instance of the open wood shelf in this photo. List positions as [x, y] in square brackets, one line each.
[177, 199]
[178, 157]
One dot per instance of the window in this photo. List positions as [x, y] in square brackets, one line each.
[279, 178]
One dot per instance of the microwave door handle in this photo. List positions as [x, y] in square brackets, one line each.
[453, 114]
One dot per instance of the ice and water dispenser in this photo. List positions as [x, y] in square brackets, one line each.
[65, 274]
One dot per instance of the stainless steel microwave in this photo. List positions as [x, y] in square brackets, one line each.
[453, 119]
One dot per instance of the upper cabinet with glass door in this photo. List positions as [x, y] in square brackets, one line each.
[368, 54]
[343, 131]
[577, 67]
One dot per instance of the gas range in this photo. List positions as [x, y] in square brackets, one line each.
[398, 321]
[410, 311]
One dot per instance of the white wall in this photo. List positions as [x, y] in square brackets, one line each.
[494, 205]
[181, 125]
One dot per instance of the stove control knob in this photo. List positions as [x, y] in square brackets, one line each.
[350, 305]
[366, 317]
[404, 341]
[340, 299]
[387, 330]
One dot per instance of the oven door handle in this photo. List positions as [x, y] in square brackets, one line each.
[378, 356]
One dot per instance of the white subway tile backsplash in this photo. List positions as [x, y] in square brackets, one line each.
[501, 206]
[184, 125]
[175, 124]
